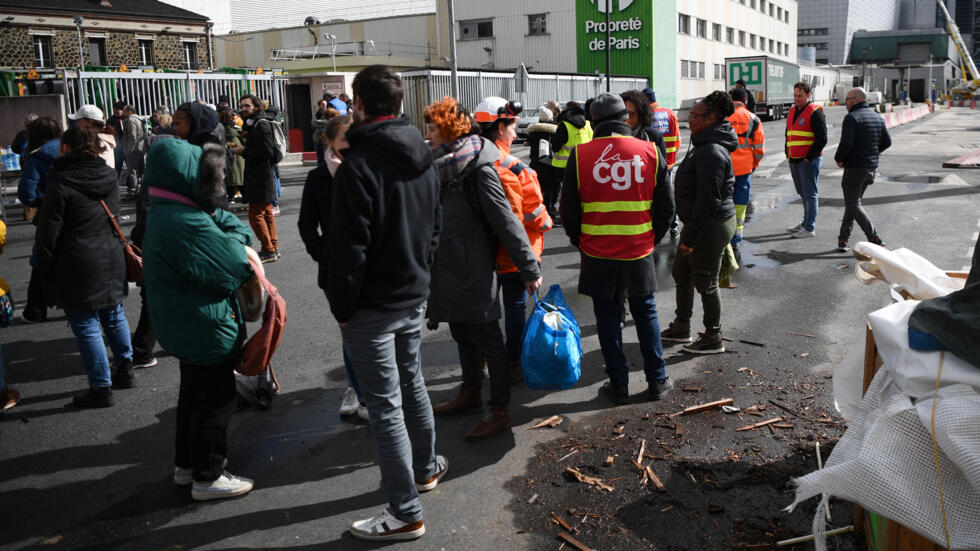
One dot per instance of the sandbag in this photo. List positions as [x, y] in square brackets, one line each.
[551, 356]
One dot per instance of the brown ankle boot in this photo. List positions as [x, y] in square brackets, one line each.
[466, 401]
[498, 420]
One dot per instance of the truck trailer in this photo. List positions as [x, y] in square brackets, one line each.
[769, 80]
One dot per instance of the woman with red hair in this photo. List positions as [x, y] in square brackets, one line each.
[463, 291]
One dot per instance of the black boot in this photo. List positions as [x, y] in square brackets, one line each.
[124, 377]
[95, 398]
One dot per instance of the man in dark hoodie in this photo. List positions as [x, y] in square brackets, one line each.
[573, 129]
[385, 225]
[259, 186]
[616, 207]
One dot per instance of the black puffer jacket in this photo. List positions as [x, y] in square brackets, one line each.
[259, 184]
[78, 252]
[314, 218]
[863, 137]
[384, 221]
[704, 182]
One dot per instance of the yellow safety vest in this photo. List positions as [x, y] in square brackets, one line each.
[576, 136]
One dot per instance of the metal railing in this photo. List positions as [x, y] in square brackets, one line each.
[147, 91]
[423, 87]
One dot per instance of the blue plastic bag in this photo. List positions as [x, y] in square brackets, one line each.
[551, 357]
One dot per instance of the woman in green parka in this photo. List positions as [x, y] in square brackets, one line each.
[193, 260]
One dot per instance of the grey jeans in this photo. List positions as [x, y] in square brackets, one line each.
[854, 183]
[384, 351]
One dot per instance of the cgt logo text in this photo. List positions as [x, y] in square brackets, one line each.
[621, 174]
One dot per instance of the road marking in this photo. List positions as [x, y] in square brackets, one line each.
[976, 235]
[969, 252]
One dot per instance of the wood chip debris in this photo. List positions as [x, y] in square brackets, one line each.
[753, 343]
[639, 456]
[760, 424]
[533, 498]
[573, 452]
[692, 388]
[755, 410]
[652, 477]
[609, 461]
[552, 421]
[619, 429]
[557, 520]
[783, 425]
[784, 408]
[567, 538]
[705, 407]
[802, 334]
[590, 480]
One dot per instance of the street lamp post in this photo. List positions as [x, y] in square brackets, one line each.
[81, 59]
[333, 48]
[454, 84]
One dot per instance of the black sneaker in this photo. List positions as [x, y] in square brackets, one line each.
[877, 241]
[676, 332]
[95, 398]
[268, 256]
[656, 391]
[619, 394]
[842, 246]
[708, 343]
[124, 377]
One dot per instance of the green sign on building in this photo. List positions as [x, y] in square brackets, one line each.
[633, 26]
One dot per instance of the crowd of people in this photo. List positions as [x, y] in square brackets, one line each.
[407, 229]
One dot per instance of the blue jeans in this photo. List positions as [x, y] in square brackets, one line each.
[608, 317]
[805, 175]
[275, 171]
[515, 310]
[741, 199]
[85, 324]
[384, 351]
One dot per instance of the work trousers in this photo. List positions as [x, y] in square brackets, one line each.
[741, 198]
[383, 347]
[479, 341]
[263, 223]
[854, 183]
[608, 320]
[699, 270]
[144, 339]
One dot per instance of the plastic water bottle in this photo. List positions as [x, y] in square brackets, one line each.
[16, 159]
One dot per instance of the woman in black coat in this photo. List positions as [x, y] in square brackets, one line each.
[703, 197]
[82, 262]
[259, 185]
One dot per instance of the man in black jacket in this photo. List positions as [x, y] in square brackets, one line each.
[384, 227]
[863, 137]
[259, 182]
[616, 207]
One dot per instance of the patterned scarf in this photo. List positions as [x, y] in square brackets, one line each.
[451, 158]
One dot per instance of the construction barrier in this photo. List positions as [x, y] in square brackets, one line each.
[971, 103]
[906, 115]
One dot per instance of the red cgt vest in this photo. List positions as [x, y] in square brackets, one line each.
[616, 179]
[799, 131]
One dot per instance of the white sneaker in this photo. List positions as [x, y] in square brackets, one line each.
[795, 228]
[385, 527]
[349, 403]
[185, 477]
[362, 412]
[227, 485]
[151, 363]
[803, 233]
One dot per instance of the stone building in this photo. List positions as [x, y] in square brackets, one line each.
[42, 35]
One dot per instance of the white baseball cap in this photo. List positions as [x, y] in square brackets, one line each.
[88, 112]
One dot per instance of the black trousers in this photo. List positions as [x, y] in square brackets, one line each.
[144, 339]
[204, 408]
[36, 307]
[475, 342]
[854, 183]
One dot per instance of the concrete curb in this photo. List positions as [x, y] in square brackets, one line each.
[970, 160]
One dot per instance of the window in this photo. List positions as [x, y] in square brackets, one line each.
[537, 23]
[701, 70]
[96, 51]
[752, 41]
[42, 52]
[719, 72]
[786, 16]
[772, 46]
[189, 60]
[702, 28]
[779, 13]
[684, 69]
[772, 12]
[752, 5]
[146, 52]
[741, 38]
[762, 6]
[730, 35]
[716, 32]
[812, 32]
[471, 30]
[692, 69]
[683, 23]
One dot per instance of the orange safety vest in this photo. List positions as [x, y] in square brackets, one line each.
[799, 131]
[524, 195]
[616, 179]
[666, 122]
[751, 140]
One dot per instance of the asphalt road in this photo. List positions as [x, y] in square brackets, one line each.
[101, 479]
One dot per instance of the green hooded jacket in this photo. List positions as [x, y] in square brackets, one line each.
[193, 261]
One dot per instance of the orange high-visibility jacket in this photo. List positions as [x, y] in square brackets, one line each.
[751, 140]
[524, 194]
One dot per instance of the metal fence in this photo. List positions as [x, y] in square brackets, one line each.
[146, 91]
[424, 87]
